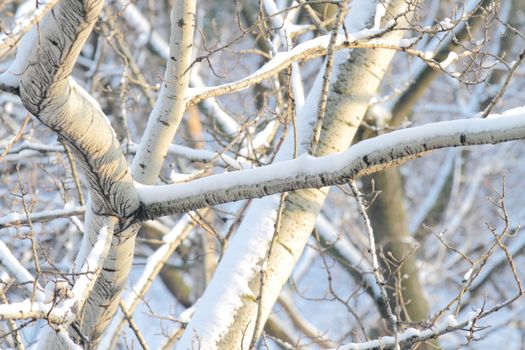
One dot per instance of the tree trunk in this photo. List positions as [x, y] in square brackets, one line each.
[227, 314]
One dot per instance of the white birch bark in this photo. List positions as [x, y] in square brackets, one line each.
[162, 125]
[170, 106]
[225, 317]
[364, 158]
[49, 93]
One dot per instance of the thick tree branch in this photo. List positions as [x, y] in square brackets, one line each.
[309, 172]
[62, 105]
[48, 91]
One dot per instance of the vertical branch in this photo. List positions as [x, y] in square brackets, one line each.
[153, 266]
[264, 275]
[359, 73]
[170, 106]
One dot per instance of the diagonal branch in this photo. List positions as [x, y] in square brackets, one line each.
[313, 48]
[10, 40]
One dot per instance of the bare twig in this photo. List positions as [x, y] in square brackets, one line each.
[375, 263]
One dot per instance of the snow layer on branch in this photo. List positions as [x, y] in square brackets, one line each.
[247, 248]
[223, 297]
[449, 323]
[283, 58]
[11, 77]
[436, 135]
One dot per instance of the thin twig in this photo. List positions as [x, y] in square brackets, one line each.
[16, 137]
[505, 84]
[133, 326]
[375, 264]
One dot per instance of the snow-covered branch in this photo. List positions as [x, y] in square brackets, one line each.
[17, 219]
[367, 38]
[19, 272]
[412, 335]
[66, 307]
[309, 172]
[61, 310]
[10, 40]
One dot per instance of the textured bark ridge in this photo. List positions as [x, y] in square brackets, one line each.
[59, 103]
[48, 92]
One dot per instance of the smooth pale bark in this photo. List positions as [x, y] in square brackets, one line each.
[356, 80]
[170, 106]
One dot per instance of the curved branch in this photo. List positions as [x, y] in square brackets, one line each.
[49, 93]
[308, 50]
[310, 172]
